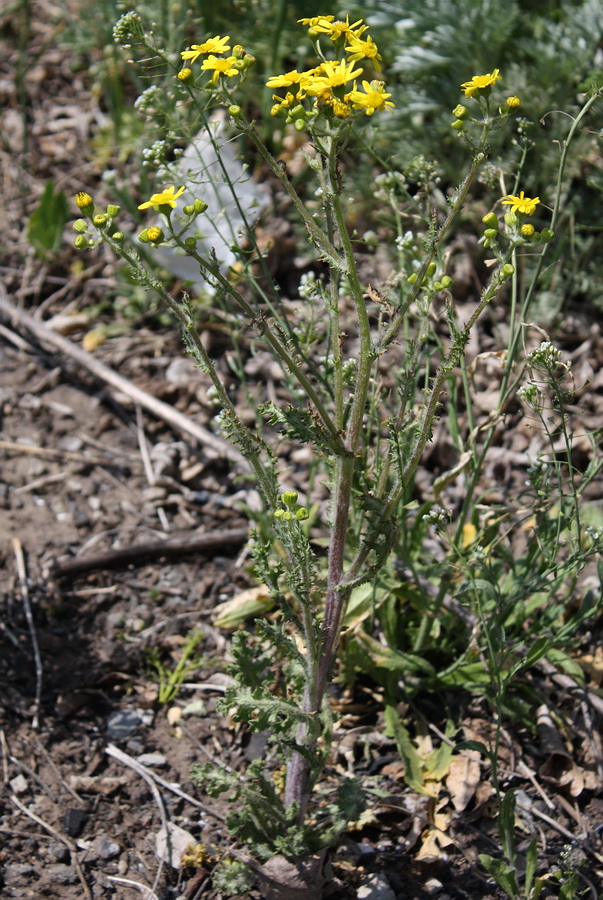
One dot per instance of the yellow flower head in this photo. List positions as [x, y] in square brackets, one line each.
[286, 80]
[315, 20]
[213, 45]
[165, 198]
[219, 67]
[513, 102]
[84, 201]
[372, 100]
[479, 82]
[330, 75]
[335, 30]
[363, 49]
[521, 204]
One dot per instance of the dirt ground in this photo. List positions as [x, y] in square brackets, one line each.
[93, 766]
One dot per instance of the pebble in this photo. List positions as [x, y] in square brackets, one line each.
[19, 784]
[105, 848]
[179, 841]
[13, 871]
[60, 874]
[155, 760]
[122, 724]
[57, 851]
[375, 887]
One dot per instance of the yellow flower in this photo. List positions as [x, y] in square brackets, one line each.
[341, 110]
[314, 20]
[84, 202]
[363, 49]
[374, 98]
[335, 30]
[513, 102]
[330, 76]
[521, 204]
[286, 80]
[479, 82]
[165, 198]
[220, 66]
[213, 45]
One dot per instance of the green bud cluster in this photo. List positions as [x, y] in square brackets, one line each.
[291, 513]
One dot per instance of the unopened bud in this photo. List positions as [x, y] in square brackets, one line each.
[190, 243]
[185, 76]
[199, 206]
[412, 278]
[458, 125]
[491, 233]
[508, 270]
[80, 225]
[113, 210]
[118, 237]
[527, 231]
[510, 219]
[84, 202]
[234, 111]
[302, 514]
[299, 125]
[460, 111]
[431, 269]
[490, 220]
[81, 242]
[546, 235]
[446, 282]
[289, 498]
[99, 220]
[155, 234]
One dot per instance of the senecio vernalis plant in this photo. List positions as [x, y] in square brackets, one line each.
[370, 461]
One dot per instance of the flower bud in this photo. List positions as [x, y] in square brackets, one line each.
[289, 498]
[238, 51]
[118, 237]
[186, 76]
[512, 102]
[80, 225]
[99, 220]
[458, 125]
[490, 220]
[507, 270]
[510, 219]
[155, 234]
[143, 236]
[113, 210]
[249, 60]
[446, 282]
[460, 111]
[491, 233]
[190, 243]
[81, 242]
[431, 269]
[302, 514]
[546, 235]
[84, 202]
[234, 111]
[239, 65]
[188, 210]
[299, 125]
[199, 206]
[527, 231]
[412, 278]
[298, 112]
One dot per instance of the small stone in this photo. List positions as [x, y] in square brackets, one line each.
[60, 874]
[179, 841]
[57, 851]
[73, 821]
[105, 848]
[19, 784]
[154, 760]
[14, 871]
[122, 724]
[375, 887]
[433, 886]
